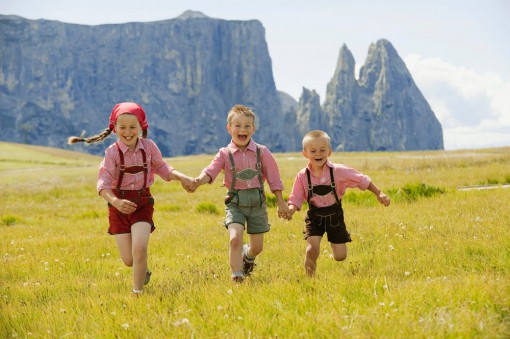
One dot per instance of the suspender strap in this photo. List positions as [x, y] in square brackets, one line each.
[233, 164]
[310, 187]
[123, 167]
[145, 168]
[333, 185]
[259, 168]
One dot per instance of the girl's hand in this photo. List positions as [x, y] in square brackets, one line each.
[124, 206]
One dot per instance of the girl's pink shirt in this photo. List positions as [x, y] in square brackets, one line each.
[109, 169]
[243, 160]
[344, 177]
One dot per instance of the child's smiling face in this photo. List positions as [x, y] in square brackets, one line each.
[241, 129]
[317, 152]
[127, 128]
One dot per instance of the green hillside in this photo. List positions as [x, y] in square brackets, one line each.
[434, 264]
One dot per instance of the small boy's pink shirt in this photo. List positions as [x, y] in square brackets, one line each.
[109, 169]
[344, 177]
[243, 160]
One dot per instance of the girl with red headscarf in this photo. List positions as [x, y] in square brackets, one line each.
[125, 176]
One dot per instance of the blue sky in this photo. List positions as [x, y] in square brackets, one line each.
[458, 52]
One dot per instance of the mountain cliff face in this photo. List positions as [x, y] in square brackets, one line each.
[59, 79]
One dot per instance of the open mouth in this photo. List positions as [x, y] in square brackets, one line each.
[242, 137]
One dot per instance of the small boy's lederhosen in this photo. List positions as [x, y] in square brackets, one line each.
[247, 206]
[328, 219]
[120, 222]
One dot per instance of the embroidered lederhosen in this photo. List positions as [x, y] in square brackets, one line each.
[254, 197]
[142, 197]
[325, 219]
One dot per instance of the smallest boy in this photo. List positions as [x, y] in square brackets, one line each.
[322, 184]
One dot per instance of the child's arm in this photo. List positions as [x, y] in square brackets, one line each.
[187, 182]
[123, 205]
[202, 179]
[283, 209]
[383, 198]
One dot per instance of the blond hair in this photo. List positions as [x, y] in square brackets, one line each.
[314, 135]
[241, 110]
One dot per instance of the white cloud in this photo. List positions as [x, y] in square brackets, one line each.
[473, 108]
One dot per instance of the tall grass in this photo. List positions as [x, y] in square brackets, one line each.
[434, 264]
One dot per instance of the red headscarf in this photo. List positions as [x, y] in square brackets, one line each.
[131, 108]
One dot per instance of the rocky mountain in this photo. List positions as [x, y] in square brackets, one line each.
[59, 79]
[382, 110]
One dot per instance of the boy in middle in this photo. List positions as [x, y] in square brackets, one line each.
[246, 165]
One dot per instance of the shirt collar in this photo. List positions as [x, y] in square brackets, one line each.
[124, 148]
[252, 146]
[328, 164]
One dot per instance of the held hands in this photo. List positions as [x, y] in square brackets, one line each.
[188, 183]
[191, 184]
[292, 210]
[283, 211]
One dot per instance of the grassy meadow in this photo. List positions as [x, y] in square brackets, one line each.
[434, 264]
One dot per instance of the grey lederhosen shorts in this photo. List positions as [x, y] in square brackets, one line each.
[255, 218]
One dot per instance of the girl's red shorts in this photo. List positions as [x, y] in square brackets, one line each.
[121, 223]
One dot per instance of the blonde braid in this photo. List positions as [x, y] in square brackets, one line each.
[90, 140]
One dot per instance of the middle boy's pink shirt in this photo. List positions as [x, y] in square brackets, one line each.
[243, 160]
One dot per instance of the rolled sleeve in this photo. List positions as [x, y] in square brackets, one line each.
[349, 177]
[159, 166]
[107, 170]
[297, 195]
[270, 170]
[365, 182]
[215, 167]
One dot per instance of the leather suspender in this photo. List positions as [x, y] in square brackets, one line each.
[135, 168]
[310, 187]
